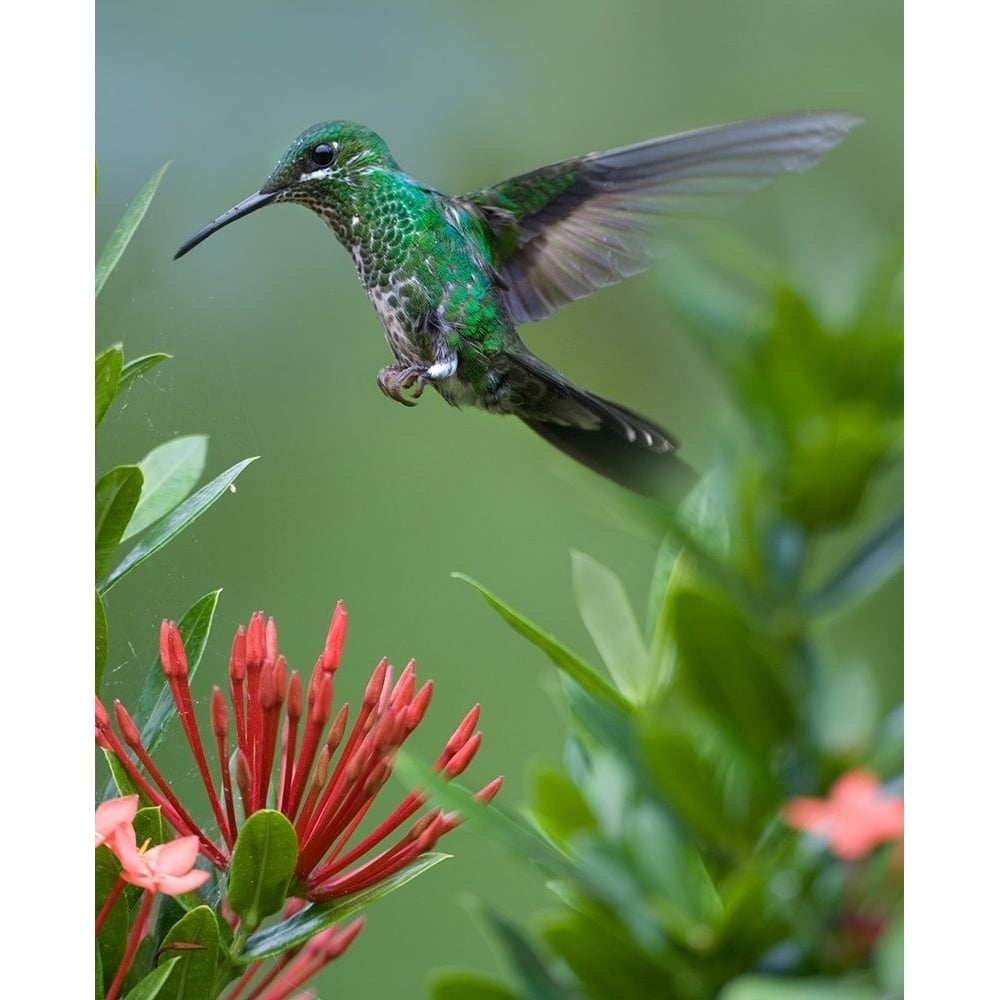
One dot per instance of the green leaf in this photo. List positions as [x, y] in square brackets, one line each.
[845, 709]
[169, 473]
[558, 807]
[608, 961]
[317, 917]
[262, 866]
[107, 376]
[121, 783]
[731, 670]
[125, 229]
[133, 369]
[174, 523]
[568, 662]
[151, 986]
[880, 558]
[610, 620]
[535, 980]
[194, 969]
[115, 498]
[100, 640]
[755, 987]
[461, 985]
[889, 957]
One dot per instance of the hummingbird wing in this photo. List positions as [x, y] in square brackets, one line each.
[564, 230]
[609, 438]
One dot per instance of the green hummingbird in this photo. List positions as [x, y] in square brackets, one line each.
[452, 277]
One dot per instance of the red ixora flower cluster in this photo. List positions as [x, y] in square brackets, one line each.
[328, 777]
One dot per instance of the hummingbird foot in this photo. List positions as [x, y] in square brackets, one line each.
[395, 380]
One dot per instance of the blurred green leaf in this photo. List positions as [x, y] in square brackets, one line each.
[125, 229]
[100, 640]
[889, 958]
[571, 664]
[833, 457]
[460, 985]
[169, 473]
[115, 498]
[152, 985]
[696, 783]
[756, 987]
[139, 366]
[193, 977]
[536, 983]
[887, 751]
[845, 708]
[610, 620]
[175, 522]
[878, 559]
[605, 960]
[262, 866]
[318, 917]
[558, 807]
[108, 371]
[730, 671]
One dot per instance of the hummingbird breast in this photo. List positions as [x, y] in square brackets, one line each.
[425, 265]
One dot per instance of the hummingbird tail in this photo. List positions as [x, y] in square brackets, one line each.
[605, 436]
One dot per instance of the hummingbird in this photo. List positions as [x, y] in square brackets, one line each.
[451, 278]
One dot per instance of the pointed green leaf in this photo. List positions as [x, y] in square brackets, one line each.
[194, 941]
[151, 985]
[100, 640]
[121, 783]
[568, 662]
[133, 369]
[262, 866]
[880, 558]
[175, 522]
[125, 229]
[467, 986]
[115, 498]
[610, 620]
[107, 376]
[169, 473]
[317, 917]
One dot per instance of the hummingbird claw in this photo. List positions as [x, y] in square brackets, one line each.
[396, 379]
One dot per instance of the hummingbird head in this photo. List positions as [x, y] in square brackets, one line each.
[320, 170]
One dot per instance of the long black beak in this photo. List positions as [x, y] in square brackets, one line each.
[245, 207]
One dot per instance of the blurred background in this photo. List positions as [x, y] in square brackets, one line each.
[275, 346]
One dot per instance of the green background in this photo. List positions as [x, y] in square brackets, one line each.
[276, 347]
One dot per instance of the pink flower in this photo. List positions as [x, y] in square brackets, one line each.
[112, 814]
[857, 817]
[166, 868]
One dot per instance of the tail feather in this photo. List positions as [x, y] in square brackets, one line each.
[605, 436]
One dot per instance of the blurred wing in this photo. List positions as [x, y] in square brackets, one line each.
[566, 229]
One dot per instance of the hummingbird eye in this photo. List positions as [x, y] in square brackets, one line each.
[323, 153]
